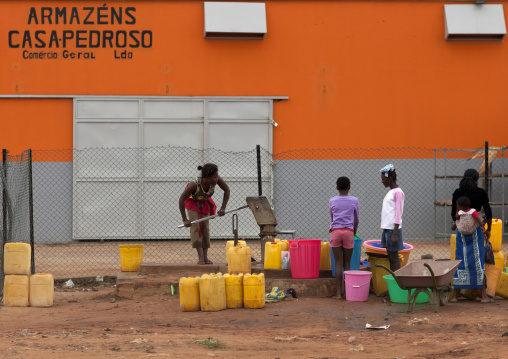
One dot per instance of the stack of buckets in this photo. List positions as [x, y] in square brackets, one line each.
[20, 288]
[497, 278]
[214, 292]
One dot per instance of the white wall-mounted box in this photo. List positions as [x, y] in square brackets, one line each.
[235, 20]
[474, 22]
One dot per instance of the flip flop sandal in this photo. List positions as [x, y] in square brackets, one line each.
[208, 261]
[201, 262]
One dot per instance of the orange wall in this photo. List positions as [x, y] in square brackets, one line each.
[38, 124]
[358, 74]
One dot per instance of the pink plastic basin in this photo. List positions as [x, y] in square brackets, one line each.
[404, 254]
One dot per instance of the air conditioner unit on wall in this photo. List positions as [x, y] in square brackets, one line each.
[474, 22]
[235, 20]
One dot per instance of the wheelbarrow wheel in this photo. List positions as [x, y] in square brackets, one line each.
[444, 296]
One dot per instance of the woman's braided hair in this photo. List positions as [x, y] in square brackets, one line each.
[208, 169]
[468, 182]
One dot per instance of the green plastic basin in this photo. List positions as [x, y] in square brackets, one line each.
[398, 295]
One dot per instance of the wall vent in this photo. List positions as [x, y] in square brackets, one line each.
[235, 20]
[474, 22]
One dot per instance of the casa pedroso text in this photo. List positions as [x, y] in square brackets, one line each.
[78, 32]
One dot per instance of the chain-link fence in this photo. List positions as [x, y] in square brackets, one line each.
[17, 214]
[88, 202]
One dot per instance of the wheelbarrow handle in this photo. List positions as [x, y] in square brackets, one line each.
[393, 274]
[385, 268]
[432, 274]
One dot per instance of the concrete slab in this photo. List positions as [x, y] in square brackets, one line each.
[132, 286]
[157, 279]
[182, 269]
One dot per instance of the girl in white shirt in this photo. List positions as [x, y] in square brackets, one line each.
[391, 216]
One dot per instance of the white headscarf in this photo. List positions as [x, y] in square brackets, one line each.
[387, 168]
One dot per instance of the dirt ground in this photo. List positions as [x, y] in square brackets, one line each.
[89, 321]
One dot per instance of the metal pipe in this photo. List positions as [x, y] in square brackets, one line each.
[213, 216]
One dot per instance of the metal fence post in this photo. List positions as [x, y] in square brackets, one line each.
[4, 195]
[31, 209]
[4, 220]
[435, 196]
[487, 167]
[258, 153]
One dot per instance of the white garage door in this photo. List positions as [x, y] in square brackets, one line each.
[134, 156]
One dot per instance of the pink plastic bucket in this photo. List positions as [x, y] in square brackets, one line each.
[305, 255]
[357, 283]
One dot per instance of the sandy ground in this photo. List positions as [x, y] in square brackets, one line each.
[89, 321]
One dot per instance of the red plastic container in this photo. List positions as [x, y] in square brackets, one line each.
[305, 256]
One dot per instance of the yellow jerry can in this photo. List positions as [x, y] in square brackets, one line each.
[42, 289]
[230, 244]
[239, 260]
[249, 260]
[502, 285]
[16, 290]
[499, 258]
[493, 275]
[325, 261]
[284, 245]
[234, 290]
[453, 246]
[272, 256]
[254, 290]
[496, 234]
[212, 292]
[17, 258]
[189, 294]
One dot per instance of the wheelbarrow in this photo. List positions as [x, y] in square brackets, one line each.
[433, 278]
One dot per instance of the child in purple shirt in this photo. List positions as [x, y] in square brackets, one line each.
[345, 214]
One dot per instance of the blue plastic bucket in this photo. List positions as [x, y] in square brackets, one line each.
[355, 258]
